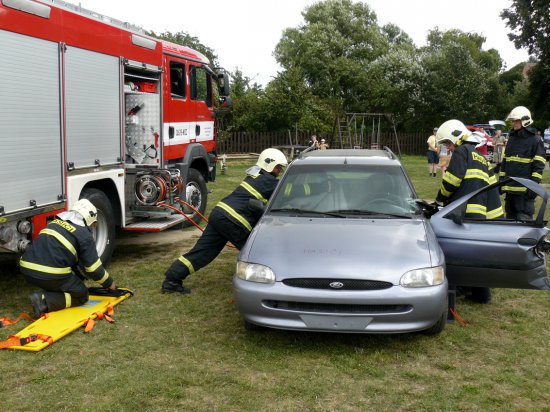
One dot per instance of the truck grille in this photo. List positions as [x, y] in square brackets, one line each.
[335, 308]
[347, 284]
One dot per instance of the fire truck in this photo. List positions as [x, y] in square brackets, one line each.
[91, 107]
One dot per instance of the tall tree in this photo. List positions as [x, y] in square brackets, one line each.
[529, 21]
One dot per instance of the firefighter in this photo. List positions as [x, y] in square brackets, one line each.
[468, 171]
[231, 220]
[524, 156]
[51, 261]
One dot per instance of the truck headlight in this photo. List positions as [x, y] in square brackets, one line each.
[420, 278]
[254, 272]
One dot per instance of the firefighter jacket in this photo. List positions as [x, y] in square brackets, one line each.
[524, 156]
[469, 171]
[235, 206]
[59, 248]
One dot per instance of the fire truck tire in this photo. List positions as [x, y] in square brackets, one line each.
[196, 194]
[104, 233]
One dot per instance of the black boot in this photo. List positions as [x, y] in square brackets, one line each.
[38, 304]
[174, 287]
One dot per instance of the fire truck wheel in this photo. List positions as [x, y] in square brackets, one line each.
[104, 232]
[196, 194]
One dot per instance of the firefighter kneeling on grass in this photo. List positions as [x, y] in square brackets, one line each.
[468, 171]
[231, 220]
[49, 262]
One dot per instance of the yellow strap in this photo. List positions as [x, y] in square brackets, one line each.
[188, 264]
[94, 266]
[61, 239]
[288, 189]
[45, 269]
[476, 174]
[233, 213]
[253, 192]
[537, 175]
[518, 159]
[514, 188]
[307, 189]
[540, 159]
[476, 208]
[104, 278]
[444, 191]
[68, 300]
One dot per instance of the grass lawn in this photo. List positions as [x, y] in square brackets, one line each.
[191, 353]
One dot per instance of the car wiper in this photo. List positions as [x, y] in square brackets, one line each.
[362, 212]
[306, 212]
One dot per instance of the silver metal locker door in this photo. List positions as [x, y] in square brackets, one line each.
[92, 108]
[30, 131]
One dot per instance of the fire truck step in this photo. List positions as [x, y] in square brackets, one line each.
[155, 225]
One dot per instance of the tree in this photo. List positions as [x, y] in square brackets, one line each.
[185, 39]
[529, 21]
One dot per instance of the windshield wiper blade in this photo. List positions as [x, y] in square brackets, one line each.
[362, 212]
[306, 212]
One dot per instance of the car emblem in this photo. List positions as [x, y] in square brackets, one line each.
[336, 285]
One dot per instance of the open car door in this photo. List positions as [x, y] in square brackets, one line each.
[495, 253]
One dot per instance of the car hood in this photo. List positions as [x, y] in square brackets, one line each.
[380, 249]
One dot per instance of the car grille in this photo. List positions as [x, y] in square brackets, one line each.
[347, 284]
[335, 308]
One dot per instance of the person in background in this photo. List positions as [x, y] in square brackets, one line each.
[524, 156]
[500, 142]
[433, 151]
[51, 261]
[323, 145]
[314, 143]
[231, 220]
[546, 135]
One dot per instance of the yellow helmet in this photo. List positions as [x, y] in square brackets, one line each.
[270, 158]
[87, 210]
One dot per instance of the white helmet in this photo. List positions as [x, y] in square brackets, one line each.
[521, 113]
[270, 158]
[88, 211]
[453, 131]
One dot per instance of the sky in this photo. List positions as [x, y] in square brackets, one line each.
[244, 33]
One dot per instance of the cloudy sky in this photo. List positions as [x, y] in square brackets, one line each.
[243, 33]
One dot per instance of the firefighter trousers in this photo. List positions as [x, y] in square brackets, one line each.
[60, 292]
[519, 207]
[217, 233]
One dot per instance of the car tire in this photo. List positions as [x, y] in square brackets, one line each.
[480, 295]
[252, 327]
[104, 232]
[437, 327]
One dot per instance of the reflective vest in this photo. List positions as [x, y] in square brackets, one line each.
[469, 171]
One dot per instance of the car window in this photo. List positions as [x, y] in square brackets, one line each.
[346, 188]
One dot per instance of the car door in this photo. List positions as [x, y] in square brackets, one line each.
[494, 253]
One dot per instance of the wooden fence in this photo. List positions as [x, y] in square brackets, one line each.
[255, 142]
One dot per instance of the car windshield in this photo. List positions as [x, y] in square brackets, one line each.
[340, 190]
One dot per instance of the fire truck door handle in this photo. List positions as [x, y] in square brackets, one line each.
[197, 130]
[170, 132]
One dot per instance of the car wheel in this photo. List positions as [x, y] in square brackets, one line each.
[438, 327]
[252, 326]
[104, 232]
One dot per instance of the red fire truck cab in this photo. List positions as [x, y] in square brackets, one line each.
[92, 107]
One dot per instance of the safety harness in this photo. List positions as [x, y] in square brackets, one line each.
[14, 340]
[5, 321]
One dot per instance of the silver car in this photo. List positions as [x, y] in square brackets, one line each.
[345, 246]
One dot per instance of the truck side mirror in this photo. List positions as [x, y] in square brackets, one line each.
[223, 84]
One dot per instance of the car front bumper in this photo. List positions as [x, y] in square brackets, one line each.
[393, 310]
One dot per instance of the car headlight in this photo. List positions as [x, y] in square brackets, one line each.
[420, 278]
[254, 272]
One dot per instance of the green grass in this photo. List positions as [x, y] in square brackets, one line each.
[191, 353]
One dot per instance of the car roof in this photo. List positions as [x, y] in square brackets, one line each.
[349, 156]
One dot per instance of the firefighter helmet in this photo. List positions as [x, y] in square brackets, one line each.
[88, 211]
[521, 113]
[453, 131]
[270, 158]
